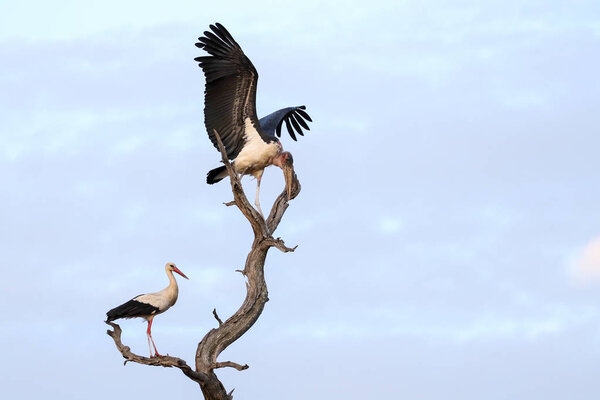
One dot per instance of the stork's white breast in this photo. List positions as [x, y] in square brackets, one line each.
[256, 154]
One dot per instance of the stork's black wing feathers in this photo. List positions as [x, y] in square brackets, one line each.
[294, 118]
[300, 121]
[303, 114]
[289, 128]
[131, 309]
[295, 125]
[230, 94]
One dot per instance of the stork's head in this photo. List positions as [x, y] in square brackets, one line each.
[285, 161]
[171, 267]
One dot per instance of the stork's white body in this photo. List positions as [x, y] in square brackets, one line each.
[149, 305]
[256, 154]
[162, 300]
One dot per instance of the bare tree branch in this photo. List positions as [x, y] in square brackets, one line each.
[239, 197]
[217, 316]
[280, 244]
[163, 361]
[281, 204]
[231, 364]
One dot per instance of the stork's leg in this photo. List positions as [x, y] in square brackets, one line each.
[149, 346]
[256, 200]
[149, 333]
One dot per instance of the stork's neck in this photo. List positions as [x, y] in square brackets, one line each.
[172, 282]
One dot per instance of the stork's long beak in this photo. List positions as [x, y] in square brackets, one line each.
[288, 173]
[175, 269]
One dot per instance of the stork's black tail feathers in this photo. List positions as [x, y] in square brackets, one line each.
[215, 175]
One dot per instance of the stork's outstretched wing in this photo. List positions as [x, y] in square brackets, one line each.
[294, 118]
[230, 95]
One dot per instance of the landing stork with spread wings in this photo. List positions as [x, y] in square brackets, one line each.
[230, 109]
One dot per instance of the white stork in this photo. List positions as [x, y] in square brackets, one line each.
[230, 109]
[149, 305]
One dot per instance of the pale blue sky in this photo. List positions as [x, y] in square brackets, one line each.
[447, 227]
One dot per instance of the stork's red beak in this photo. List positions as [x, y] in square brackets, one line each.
[175, 269]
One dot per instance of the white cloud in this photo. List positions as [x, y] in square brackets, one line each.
[585, 268]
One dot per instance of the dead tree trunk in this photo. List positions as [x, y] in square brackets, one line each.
[218, 339]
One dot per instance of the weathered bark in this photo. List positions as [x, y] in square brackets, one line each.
[163, 361]
[218, 339]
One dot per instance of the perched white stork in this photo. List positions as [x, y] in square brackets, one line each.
[149, 305]
[230, 109]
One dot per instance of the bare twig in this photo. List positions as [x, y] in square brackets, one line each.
[231, 364]
[279, 244]
[217, 316]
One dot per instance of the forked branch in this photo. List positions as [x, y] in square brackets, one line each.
[261, 227]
